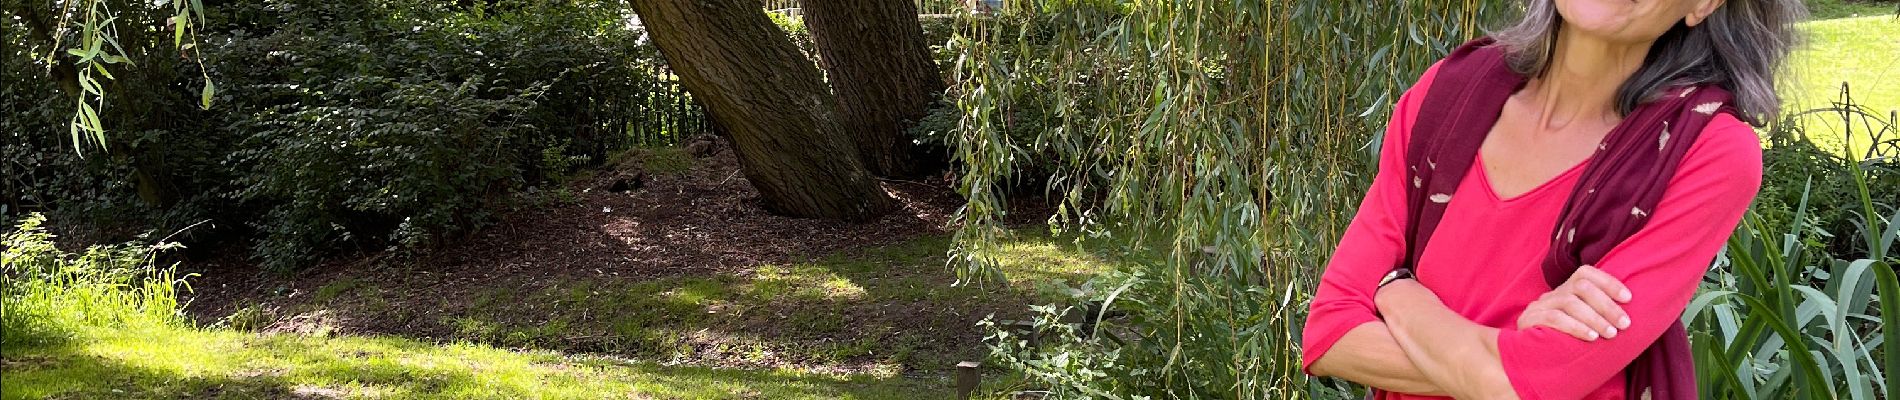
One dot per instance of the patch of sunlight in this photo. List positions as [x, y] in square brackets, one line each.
[698, 292]
[160, 355]
[1032, 258]
[802, 281]
[1863, 52]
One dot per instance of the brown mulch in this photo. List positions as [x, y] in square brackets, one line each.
[705, 221]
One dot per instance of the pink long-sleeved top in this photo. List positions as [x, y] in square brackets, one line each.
[1483, 261]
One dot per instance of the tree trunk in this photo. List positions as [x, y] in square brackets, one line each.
[883, 74]
[772, 103]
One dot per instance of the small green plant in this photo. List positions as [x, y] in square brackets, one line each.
[667, 161]
[249, 318]
[1067, 359]
[557, 163]
[49, 296]
[336, 288]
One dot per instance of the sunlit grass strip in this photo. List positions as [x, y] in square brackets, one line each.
[1863, 53]
[177, 362]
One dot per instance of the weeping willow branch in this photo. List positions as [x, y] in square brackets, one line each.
[96, 50]
[1221, 146]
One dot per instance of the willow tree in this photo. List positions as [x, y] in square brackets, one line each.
[1220, 144]
[771, 102]
[117, 61]
[882, 72]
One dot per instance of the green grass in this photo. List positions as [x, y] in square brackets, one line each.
[783, 323]
[667, 161]
[889, 308]
[1832, 9]
[1863, 52]
[173, 362]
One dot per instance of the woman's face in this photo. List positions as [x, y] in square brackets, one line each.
[1632, 21]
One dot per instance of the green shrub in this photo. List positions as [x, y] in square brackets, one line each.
[1770, 286]
[339, 126]
[160, 151]
[49, 296]
[1829, 179]
[425, 158]
[1813, 260]
[420, 123]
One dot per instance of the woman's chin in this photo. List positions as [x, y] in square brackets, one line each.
[1616, 20]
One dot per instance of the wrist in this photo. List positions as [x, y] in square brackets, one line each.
[1391, 294]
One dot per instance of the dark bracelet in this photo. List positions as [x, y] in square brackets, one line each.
[1395, 275]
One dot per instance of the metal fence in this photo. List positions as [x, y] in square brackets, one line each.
[791, 7]
[940, 6]
[783, 6]
[669, 114]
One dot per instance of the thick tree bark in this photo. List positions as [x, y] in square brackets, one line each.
[772, 102]
[883, 74]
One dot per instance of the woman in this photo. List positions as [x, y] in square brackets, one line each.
[1547, 202]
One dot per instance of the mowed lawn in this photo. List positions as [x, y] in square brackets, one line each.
[182, 363]
[1863, 52]
[165, 361]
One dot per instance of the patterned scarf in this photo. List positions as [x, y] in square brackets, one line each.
[1619, 188]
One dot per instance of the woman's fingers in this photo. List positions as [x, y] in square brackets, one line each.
[1562, 322]
[1587, 306]
[1610, 285]
[1581, 311]
[1604, 306]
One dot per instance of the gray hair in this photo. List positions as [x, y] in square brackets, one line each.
[1740, 47]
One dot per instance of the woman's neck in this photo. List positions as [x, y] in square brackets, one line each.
[1580, 82]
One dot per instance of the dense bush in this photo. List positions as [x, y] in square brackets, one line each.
[1796, 167]
[158, 154]
[340, 125]
[1813, 260]
[1769, 287]
[403, 130]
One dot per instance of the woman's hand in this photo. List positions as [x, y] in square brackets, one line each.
[1587, 306]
